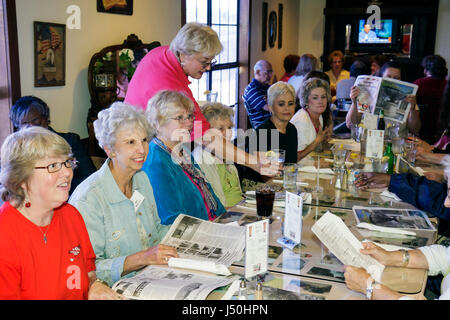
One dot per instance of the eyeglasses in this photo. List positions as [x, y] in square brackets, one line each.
[205, 65]
[268, 72]
[55, 167]
[190, 117]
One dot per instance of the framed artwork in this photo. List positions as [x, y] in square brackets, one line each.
[49, 54]
[115, 6]
[273, 25]
[280, 25]
[265, 8]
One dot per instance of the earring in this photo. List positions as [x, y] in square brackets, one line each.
[27, 202]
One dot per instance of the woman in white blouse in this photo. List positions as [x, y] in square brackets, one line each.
[434, 258]
[314, 96]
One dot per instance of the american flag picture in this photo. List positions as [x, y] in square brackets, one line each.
[49, 54]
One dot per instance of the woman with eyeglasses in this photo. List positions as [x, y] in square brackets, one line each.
[182, 186]
[45, 251]
[117, 201]
[191, 54]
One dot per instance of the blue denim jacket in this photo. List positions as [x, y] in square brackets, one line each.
[116, 230]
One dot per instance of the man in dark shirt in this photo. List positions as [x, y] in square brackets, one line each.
[255, 94]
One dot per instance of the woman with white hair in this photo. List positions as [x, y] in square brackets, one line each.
[314, 98]
[45, 251]
[191, 53]
[223, 177]
[182, 186]
[434, 258]
[277, 132]
[117, 201]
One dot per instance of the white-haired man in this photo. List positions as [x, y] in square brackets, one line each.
[255, 94]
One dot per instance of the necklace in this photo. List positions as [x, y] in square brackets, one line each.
[44, 233]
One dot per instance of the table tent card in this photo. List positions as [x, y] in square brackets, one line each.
[374, 144]
[256, 248]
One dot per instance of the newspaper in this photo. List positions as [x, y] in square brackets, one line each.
[336, 236]
[205, 241]
[392, 220]
[386, 94]
[160, 283]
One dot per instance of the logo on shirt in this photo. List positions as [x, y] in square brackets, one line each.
[74, 253]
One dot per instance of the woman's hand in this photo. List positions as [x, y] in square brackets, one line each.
[323, 135]
[356, 279]
[100, 291]
[368, 180]
[383, 256]
[354, 93]
[434, 176]
[411, 99]
[420, 144]
[160, 254]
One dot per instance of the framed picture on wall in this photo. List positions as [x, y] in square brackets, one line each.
[115, 6]
[49, 54]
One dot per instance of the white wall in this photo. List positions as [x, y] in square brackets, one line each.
[152, 20]
[442, 35]
[290, 39]
[311, 27]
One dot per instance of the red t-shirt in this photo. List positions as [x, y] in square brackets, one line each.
[33, 270]
[160, 70]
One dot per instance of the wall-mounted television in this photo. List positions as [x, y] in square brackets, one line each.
[367, 38]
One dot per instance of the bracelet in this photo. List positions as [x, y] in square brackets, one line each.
[369, 289]
[405, 261]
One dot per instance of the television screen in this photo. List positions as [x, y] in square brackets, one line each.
[369, 35]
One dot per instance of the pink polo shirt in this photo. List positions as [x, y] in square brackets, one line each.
[160, 70]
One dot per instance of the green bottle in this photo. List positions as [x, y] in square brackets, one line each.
[391, 161]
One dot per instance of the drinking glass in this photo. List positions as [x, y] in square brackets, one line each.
[290, 177]
[277, 155]
[397, 145]
[265, 196]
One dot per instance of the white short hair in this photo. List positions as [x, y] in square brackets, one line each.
[278, 89]
[118, 116]
[196, 38]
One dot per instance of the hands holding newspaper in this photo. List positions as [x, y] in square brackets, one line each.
[159, 254]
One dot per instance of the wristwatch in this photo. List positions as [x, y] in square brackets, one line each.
[369, 289]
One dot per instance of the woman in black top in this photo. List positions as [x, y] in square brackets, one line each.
[277, 132]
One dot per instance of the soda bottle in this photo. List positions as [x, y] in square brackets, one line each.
[391, 161]
[381, 123]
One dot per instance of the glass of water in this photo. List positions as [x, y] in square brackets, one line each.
[290, 177]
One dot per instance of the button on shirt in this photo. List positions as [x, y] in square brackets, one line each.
[116, 230]
[255, 98]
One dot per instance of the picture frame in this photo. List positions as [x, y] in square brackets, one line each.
[115, 6]
[49, 54]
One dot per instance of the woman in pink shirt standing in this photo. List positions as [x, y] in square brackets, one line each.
[191, 54]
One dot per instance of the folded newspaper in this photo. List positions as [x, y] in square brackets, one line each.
[376, 94]
[204, 245]
[162, 283]
[335, 235]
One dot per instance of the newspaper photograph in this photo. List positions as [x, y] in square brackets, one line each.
[386, 94]
[204, 240]
[393, 218]
[159, 283]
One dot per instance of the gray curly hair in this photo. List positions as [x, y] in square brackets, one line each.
[217, 110]
[309, 85]
[118, 116]
[196, 38]
[165, 104]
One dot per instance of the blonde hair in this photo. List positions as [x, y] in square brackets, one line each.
[118, 116]
[196, 38]
[217, 110]
[165, 104]
[309, 85]
[336, 53]
[278, 89]
[19, 154]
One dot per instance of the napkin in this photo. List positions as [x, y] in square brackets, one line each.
[312, 169]
[364, 225]
[388, 194]
[199, 265]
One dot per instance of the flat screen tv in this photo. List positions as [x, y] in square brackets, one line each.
[367, 38]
